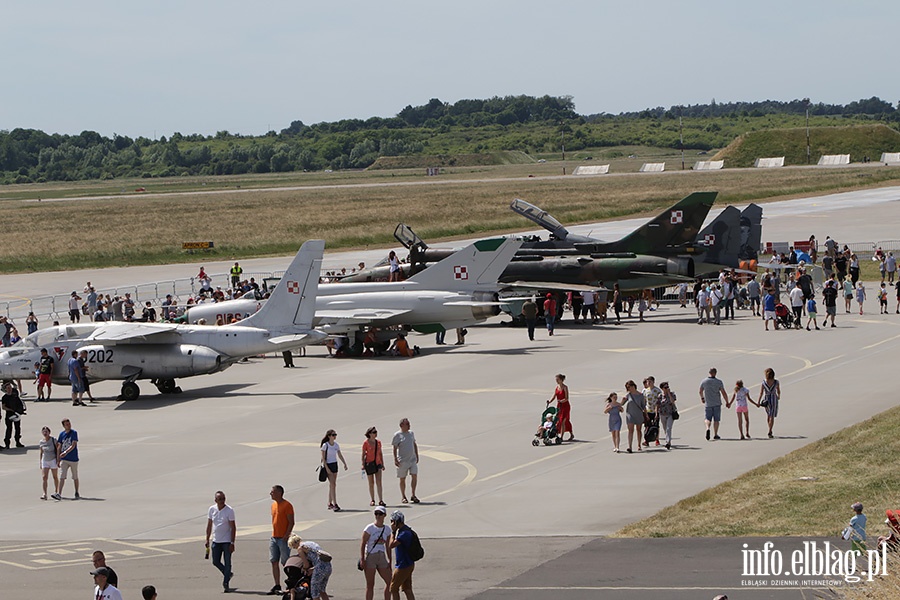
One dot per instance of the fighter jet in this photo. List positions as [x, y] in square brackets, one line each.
[459, 291]
[163, 351]
[658, 253]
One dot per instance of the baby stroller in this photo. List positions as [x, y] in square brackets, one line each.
[783, 316]
[549, 435]
[295, 580]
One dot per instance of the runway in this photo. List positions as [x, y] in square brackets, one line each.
[494, 507]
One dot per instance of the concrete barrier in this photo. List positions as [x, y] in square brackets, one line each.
[591, 170]
[653, 167]
[709, 165]
[833, 160]
[769, 163]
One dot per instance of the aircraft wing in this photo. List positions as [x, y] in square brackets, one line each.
[471, 303]
[555, 285]
[136, 332]
[665, 276]
[361, 314]
[299, 338]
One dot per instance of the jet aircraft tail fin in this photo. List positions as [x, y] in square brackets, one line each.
[477, 265]
[674, 227]
[292, 305]
[751, 232]
[721, 239]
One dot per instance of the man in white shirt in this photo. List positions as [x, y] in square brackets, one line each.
[103, 590]
[222, 526]
[589, 305]
[797, 305]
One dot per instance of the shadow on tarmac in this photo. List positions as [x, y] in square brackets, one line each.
[327, 393]
[164, 400]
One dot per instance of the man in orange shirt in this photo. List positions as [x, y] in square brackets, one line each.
[282, 525]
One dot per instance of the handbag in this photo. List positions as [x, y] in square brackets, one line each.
[323, 473]
[675, 414]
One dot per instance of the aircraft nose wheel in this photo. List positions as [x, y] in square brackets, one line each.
[167, 386]
[130, 391]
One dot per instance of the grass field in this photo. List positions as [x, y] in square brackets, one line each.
[141, 229]
[805, 493]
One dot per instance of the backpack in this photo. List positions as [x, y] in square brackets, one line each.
[414, 550]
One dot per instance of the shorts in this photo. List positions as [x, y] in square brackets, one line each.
[44, 379]
[332, 467]
[77, 387]
[714, 413]
[372, 468]
[65, 465]
[377, 560]
[407, 469]
[811, 315]
[402, 579]
[831, 310]
[49, 464]
[741, 409]
[769, 315]
[278, 550]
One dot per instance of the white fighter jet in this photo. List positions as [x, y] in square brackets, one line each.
[163, 351]
[459, 291]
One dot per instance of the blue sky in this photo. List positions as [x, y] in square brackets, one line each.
[199, 66]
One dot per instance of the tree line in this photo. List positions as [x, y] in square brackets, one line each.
[525, 123]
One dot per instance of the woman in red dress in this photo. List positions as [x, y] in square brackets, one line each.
[563, 407]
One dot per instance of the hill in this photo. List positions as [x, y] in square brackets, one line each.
[858, 141]
[455, 160]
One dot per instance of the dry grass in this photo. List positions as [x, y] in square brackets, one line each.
[150, 230]
[855, 464]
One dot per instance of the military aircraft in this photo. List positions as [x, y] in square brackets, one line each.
[459, 291]
[658, 253]
[163, 351]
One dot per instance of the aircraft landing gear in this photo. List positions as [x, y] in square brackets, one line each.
[167, 386]
[130, 391]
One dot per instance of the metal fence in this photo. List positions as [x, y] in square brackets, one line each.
[56, 307]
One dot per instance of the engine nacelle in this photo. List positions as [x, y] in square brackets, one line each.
[485, 312]
[683, 266]
[150, 361]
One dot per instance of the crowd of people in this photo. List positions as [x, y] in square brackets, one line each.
[650, 413]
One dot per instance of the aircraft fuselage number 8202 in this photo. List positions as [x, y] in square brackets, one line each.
[100, 356]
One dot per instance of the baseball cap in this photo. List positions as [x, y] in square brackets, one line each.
[380, 509]
[856, 506]
[101, 571]
[398, 516]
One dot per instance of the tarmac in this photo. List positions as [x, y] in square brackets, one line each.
[499, 518]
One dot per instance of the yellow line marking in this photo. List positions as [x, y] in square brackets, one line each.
[494, 390]
[471, 473]
[622, 350]
[243, 531]
[528, 464]
[890, 339]
[818, 364]
[442, 456]
[83, 553]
